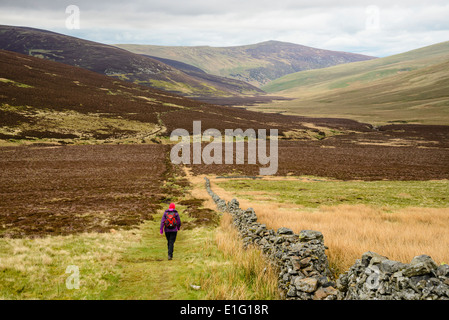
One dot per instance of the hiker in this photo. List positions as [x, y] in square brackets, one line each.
[170, 223]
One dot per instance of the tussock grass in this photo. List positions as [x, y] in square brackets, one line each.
[351, 230]
[36, 268]
[410, 222]
[247, 275]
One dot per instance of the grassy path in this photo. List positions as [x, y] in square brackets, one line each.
[133, 264]
[126, 265]
[146, 273]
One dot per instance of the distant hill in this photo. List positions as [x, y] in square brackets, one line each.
[410, 87]
[118, 63]
[257, 64]
[226, 84]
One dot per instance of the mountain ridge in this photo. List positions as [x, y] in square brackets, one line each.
[115, 62]
[257, 64]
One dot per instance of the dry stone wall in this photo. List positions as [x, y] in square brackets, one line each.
[300, 258]
[375, 277]
[304, 271]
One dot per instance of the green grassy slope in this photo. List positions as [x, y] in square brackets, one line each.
[315, 192]
[412, 87]
[257, 64]
[364, 71]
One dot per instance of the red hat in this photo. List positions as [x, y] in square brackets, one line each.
[171, 207]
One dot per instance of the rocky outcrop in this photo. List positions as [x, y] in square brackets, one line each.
[304, 271]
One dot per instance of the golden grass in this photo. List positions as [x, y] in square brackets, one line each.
[256, 270]
[351, 230]
[36, 268]
[249, 277]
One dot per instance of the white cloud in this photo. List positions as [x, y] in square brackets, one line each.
[337, 25]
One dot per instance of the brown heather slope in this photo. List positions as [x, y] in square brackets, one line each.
[68, 190]
[34, 91]
[117, 63]
[51, 189]
[31, 85]
[58, 189]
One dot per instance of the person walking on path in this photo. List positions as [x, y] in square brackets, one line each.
[170, 223]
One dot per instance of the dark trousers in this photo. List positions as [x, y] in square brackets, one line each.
[171, 238]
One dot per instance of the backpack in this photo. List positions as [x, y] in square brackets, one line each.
[170, 220]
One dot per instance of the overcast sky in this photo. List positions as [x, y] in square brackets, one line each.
[378, 28]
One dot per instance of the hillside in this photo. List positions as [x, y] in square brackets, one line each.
[51, 101]
[257, 64]
[117, 63]
[410, 87]
[242, 90]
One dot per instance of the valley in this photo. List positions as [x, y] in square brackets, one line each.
[86, 169]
